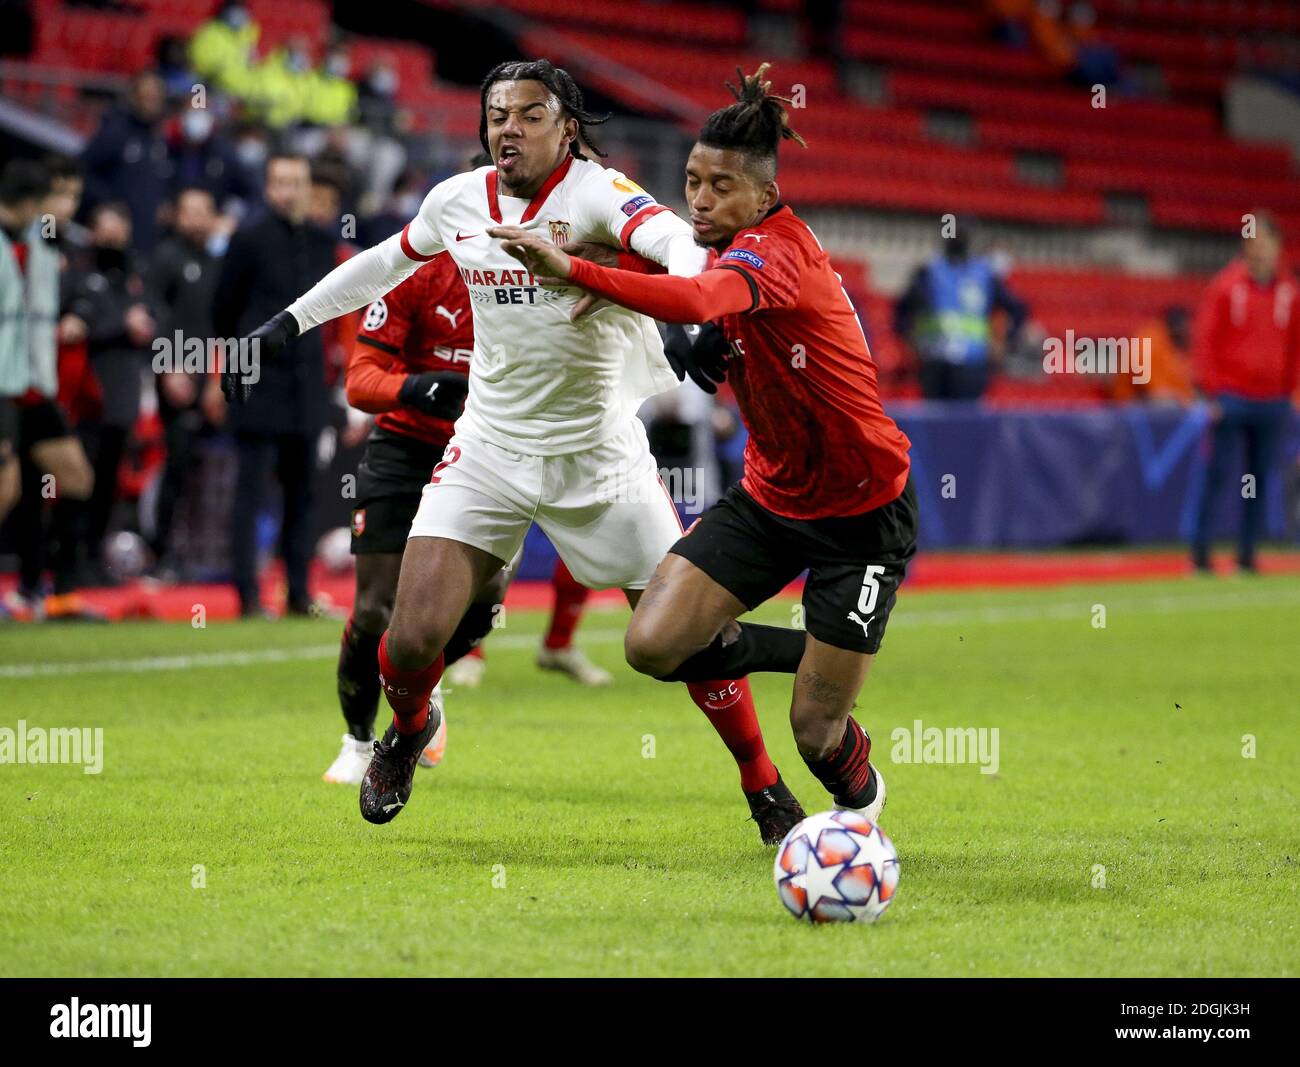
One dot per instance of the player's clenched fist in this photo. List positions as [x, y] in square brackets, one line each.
[437, 393]
[544, 261]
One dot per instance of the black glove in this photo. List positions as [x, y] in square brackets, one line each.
[700, 351]
[437, 393]
[264, 342]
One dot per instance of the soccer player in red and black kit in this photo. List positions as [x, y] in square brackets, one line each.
[827, 487]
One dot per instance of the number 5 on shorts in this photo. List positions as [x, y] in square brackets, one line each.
[870, 589]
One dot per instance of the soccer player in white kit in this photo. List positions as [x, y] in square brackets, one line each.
[549, 432]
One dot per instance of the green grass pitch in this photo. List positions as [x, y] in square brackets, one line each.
[1128, 829]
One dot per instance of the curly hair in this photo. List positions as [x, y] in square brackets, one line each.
[755, 124]
[560, 83]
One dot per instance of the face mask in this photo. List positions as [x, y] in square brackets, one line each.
[252, 152]
[338, 66]
[217, 244]
[196, 124]
[236, 17]
[384, 82]
[107, 258]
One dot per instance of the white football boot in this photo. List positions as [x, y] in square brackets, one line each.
[467, 672]
[573, 662]
[349, 767]
[437, 746]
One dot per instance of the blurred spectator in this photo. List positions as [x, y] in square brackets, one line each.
[1246, 360]
[69, 237]
[946, 314]
[126, 161]
[183, 278]
[329, 187]
[109, 305]
[396, 209]
[281, 84]
[174, 67]
[1170, 380]
[377, 97]
[330, 98]
[271, 261]
[32, 426]
[202, 156]
[375, 145]
[221, 50]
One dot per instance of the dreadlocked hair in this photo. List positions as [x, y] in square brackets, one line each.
[755, 124]
[560, 83]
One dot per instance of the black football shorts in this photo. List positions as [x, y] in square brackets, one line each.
[855, 564]
[393, 471]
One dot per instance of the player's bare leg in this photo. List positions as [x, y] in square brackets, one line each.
[65, 460]
[727, 703]
[836, 749]
[684, 629]
[439, 581]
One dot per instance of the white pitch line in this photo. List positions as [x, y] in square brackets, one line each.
[1161, 605]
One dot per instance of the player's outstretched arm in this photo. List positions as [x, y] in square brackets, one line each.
[353, 283]
[667, 297]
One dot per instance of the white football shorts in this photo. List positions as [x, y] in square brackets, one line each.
[605, 509]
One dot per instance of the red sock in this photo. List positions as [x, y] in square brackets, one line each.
[407, 692]
[569, 600]
[729, 706]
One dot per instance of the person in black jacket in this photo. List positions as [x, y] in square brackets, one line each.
[109, 305]
[270, 261]
[127, 158]
[183, 278]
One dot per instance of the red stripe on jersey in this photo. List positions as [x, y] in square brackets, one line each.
[641, 216]
[534, 205]
[493, 208]
[557, 176]
[408, 250]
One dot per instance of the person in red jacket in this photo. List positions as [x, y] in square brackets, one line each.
[827, 485]
[1246, 361]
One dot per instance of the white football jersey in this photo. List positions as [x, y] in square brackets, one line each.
[539, 383]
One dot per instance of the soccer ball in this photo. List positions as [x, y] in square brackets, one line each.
[836, 867]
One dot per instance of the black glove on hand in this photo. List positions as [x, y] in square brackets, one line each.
[269, 338]
[700, 351]
[437, 393]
